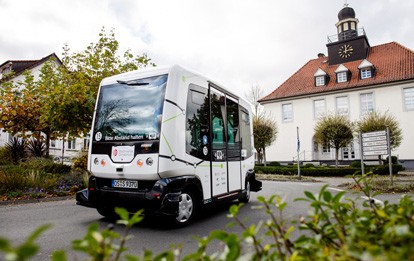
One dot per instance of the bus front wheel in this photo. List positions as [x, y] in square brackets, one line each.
[245, 197]
[187, 207]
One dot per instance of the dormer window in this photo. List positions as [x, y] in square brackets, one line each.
[342, 74]
[366, 70]
[320, 77]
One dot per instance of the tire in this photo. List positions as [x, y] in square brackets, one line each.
[107, 212]
[187, 209]
[245, 197]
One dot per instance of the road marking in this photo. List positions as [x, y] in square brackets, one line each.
[335, 189]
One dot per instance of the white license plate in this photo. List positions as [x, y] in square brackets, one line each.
[124, 183]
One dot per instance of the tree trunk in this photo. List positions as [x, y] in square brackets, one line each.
[63, 149]
[336, 157]
[47, 141]
[264, 156]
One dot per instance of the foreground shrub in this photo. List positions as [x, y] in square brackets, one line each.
[46, 165]
[335, 228]
[5, 158]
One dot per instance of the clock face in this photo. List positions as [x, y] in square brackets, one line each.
[345, 51]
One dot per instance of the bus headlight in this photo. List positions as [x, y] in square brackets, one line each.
[150, 161]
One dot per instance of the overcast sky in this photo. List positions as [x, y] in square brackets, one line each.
[238, 43]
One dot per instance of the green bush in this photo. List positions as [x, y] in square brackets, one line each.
[384, 169]
[81, 163]
[308, 165]
[311, 172]
[274, 163]
[394, 160]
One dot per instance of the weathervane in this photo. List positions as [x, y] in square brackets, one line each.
[346, 3]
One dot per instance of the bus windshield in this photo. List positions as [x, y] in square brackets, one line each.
[130, 110]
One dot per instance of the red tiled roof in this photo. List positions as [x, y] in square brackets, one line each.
[392, 61]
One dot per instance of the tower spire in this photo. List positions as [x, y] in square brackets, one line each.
[346, 3]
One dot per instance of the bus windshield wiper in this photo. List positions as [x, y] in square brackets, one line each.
[134, 83]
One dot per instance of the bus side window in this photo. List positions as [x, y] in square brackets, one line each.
[246, 133]
[197, 123]
[233, 136]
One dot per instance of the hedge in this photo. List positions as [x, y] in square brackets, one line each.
[325, 171]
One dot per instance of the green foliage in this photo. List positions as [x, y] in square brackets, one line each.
[307, 171]
[265, 133]
[384, 169]
[81, 163]
[335, 228]
[45, 165]
[334, 130]
[5, 157]
[37, 178]
[274, 163]
[356, 164]
[394, 160]
[376, 121]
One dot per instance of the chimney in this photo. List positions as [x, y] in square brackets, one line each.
[321, 55]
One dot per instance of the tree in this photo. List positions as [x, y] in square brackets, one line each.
[61, 101]
[376, 121]
[264, 127]
[253, 95]
[334, 130]
[265, 133]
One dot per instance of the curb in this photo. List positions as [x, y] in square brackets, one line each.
[35, 200]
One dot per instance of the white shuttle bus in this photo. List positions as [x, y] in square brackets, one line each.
[169, 141]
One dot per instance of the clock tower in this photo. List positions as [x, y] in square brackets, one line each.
[350, 43]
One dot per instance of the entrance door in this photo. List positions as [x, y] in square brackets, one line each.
[218, 132]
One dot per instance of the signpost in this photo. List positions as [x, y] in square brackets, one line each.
[376, 143]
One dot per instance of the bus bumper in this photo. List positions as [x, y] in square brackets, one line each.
[154, 201]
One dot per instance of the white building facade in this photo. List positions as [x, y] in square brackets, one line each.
[354, 79]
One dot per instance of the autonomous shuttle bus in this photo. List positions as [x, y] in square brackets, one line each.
[169, 141]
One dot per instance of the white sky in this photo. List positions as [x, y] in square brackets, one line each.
[238, 43]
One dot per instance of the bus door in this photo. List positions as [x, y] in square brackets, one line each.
[225, 145]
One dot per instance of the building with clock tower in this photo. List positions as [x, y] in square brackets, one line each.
[354, 79]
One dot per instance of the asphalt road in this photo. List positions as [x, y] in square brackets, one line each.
[71, 222]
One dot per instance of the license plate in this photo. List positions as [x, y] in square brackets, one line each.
[124, 183]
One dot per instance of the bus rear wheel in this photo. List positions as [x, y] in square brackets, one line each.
[187, 207]
[107, 212]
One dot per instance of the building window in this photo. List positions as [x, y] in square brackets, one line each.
[367, 102]
[318, 108]
[409, 98]
[320, 80]
[52, 144]
[342, 77]
[366, 73]
[287, 112]
[72, 144]
[342, 106]
[326, 148]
